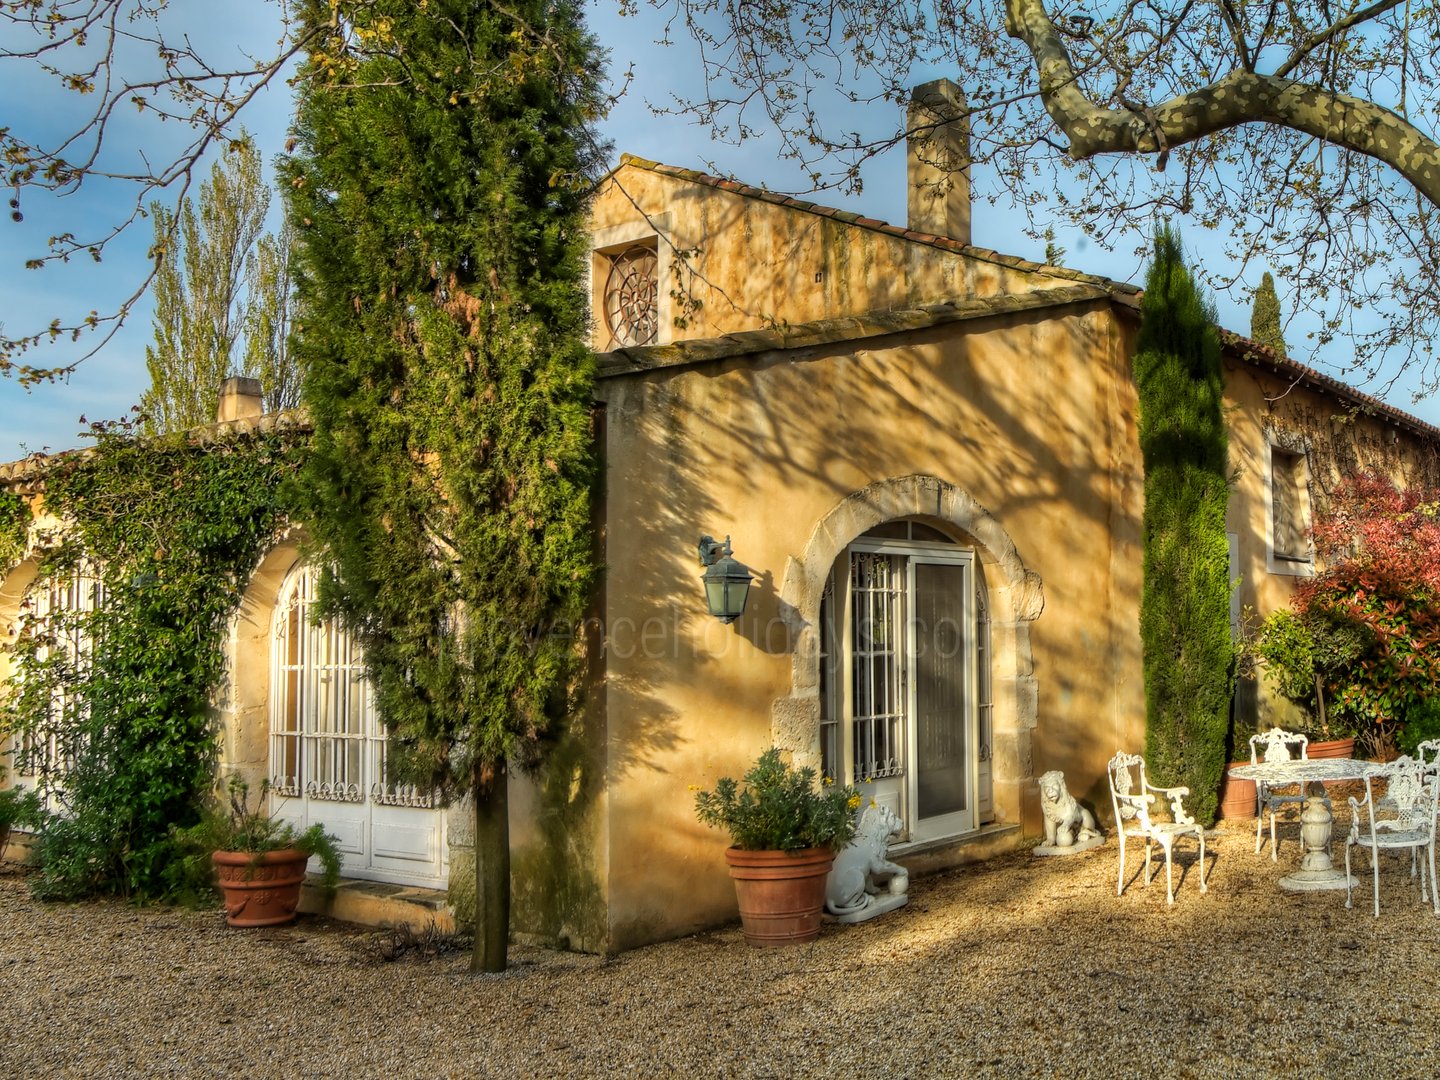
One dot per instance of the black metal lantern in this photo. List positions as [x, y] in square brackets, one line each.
[727, 580]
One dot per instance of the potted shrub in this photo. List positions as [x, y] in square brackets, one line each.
[1301, 653]
[785, 830]
[259, 862]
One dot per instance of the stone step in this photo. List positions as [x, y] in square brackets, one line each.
[374, 903]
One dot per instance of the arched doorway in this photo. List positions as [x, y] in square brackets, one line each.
[905, 680]
[327, 762]
[975, 562]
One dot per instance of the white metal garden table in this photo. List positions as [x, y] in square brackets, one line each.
[1316, 872]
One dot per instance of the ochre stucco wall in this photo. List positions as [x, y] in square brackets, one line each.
[1268, 407]
[752, 264]
[1031, 416]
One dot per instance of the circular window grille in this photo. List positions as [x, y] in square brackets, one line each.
[632, 311]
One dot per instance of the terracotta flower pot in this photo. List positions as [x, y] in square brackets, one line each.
[1237, 797]
[1332, 748]
[260, 890]
[781, 893]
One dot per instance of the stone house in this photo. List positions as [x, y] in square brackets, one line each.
[925, 452]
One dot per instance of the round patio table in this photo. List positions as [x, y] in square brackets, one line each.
[1316, 821]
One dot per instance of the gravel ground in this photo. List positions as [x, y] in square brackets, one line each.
[1016, 967]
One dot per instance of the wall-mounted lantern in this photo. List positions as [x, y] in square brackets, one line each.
[727, 580]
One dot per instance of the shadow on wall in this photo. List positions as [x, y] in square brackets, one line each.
[1032, 415]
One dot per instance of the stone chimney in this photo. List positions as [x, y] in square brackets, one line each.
[937, 162]
[240, 399]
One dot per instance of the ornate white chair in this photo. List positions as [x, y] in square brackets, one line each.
[1131, 794]
[1403, 818]
[1276, 744]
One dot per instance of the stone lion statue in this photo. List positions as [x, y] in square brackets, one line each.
[1066, 821]
[853, 891]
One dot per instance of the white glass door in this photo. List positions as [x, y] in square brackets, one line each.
[902, 693]
[328, 752]
[942, 703]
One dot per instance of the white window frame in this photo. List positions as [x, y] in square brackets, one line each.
[82, 591]
[390, 833]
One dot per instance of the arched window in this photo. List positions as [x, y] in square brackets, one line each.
[54, 623]
[328, 749]
[904, 678]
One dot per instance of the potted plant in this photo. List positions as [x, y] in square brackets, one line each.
[785, 830]
[1301, 651]
[259, 862]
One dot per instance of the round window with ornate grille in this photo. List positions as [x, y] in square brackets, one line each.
[632, 313]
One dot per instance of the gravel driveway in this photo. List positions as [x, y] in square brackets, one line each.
[1017, 967]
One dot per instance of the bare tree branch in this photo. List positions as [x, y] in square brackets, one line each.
[1239, 97]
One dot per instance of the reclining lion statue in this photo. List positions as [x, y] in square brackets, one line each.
[863, 883]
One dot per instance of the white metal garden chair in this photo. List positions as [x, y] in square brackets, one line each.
[1276, 744]
[1131, 795]
[1403, 818]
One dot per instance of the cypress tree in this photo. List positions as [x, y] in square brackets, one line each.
[439, 186]
[1265, 316]
[1185, 605]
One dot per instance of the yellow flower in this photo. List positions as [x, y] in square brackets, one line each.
[853, 802]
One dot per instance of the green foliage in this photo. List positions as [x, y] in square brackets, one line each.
[442, 172]
[235, 826]
[19, 808]
[1189, 658]
[170, 531]
[1298, 648]
[1265, 317]
[222, 298]
[1372, 613]
[1422, 723]
[14, 527]
[780, 808]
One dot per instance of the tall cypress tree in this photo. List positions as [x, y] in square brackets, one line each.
[1265, 316]
[1185, 606]
[439, 186]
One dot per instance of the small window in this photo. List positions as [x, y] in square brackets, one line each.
[631, 297]
[1289, 511]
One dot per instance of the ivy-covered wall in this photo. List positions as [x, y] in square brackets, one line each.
[112, 707]
[14, 526]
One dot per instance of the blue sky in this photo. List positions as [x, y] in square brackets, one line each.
[109, 383]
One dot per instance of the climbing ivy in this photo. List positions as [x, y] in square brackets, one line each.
[14, 525]
[166, 533]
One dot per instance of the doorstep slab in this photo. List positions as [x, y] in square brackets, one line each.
[375, 903]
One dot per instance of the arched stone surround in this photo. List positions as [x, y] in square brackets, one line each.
[244, 701]
[1016, 600]
[13, 587]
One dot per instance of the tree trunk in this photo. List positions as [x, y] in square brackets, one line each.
[492, 869]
